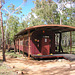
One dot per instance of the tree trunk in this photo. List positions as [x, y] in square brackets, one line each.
[2, 32]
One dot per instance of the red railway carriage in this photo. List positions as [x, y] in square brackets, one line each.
[39, 41]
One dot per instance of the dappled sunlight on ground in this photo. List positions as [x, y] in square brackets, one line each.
[42, 67]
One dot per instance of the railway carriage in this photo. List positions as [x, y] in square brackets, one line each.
[39, 41]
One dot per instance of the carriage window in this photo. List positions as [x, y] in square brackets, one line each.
[45, 36]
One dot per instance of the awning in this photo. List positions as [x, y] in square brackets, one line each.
[52, 27]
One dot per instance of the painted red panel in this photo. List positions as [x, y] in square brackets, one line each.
[34, 49]
[45, 47]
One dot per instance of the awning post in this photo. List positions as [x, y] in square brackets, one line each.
[70, 42]
[60, 37]
[28, 44]
[23, 46]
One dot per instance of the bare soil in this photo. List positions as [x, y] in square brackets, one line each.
[23, 66]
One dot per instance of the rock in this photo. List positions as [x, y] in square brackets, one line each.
[59, 60]
[19, 72]
[23, 72]
[13, 66]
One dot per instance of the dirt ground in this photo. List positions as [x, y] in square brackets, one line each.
[23, 66]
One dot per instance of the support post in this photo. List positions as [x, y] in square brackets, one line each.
[19, 46]
[28, 44]
[70, 42]
[60, 37]
[23, 46]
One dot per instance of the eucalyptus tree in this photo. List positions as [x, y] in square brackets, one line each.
[13, 24]
[1, 4]
[33, 20]
[11, 11]
[45, 10]
[3, 51]
[66, 9]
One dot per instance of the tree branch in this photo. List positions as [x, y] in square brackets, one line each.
[6, 10]
[17, 8]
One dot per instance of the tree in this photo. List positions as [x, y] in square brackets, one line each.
[3, 51]
[13, 24]
[12, 10]
[1, 4]
[44, 12]
[33, 20]
[66, 11]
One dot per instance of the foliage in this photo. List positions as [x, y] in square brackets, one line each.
[13, 23]
[67, 9]
[12, 8]
[46, 13]
[34, 20]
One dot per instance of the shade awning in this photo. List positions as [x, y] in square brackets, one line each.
[52, 27]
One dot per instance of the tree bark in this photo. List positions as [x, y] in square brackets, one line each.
[3, 51]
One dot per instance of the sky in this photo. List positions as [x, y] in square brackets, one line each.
[26, 8]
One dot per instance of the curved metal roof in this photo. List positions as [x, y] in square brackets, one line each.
[52, 27]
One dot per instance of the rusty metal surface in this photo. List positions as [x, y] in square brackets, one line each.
[51, 27]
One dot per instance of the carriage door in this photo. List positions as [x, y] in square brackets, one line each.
[45, 45]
